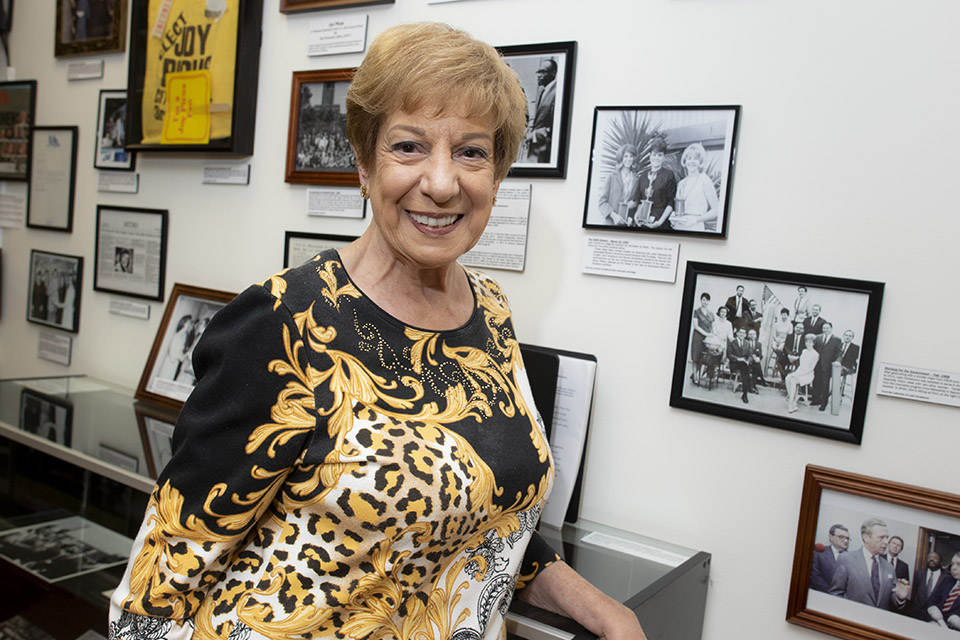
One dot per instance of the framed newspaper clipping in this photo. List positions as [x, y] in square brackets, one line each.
[131, 251]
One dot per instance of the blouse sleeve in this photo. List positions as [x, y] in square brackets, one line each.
[239, 435]
[539, 555]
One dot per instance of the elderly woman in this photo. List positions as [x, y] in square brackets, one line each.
[619, 194]
[361, 457]
[803, 374]
[696, 190]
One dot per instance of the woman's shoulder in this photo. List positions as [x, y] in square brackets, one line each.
[485, 286]
[321, 277]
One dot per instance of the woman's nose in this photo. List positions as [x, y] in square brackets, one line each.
[440, 180]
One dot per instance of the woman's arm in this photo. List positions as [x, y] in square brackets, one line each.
[560, 589]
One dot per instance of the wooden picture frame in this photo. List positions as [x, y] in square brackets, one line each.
[55, 290]
[53, 177]
[168, 376]
[708, 369]
[109, 152]
[156, 432]
[18, 101]
[297, 6]
[543, 152]
[100, 29]
[210, 72]
[300, 246]
[682, 199]
[830, 596]
[317, 133]
[130, 254]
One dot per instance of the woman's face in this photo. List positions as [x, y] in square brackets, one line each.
[692, 163]
[432, 185]
[629, 157]
[656, 160]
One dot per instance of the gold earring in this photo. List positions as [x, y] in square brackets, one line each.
[494, 199]
[363, 192]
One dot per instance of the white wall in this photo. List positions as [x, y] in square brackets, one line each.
[849, 121]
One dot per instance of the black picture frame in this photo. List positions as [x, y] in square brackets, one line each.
[130, 254]
[298, 6]
[539, 157]
[707, 374]
[925, 520]
[53, 178]
[100, 29]
[18, 102]
[55, 271]
[622, 197]
[46, 416]
[298, 244]
[146, 96]
[156, 426]
[306, 132]
[108, 149]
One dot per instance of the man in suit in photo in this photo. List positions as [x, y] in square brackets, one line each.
[865, 576]
[539, 136]
[801, 305]
[754, 316]
[828, 346]
[900, 568]
[739, 355]
[814, 322]
[944, 604]
[849, 354]
[825, 562]
[756, 357]
[736, 309]
[792, 348]
[925, 581]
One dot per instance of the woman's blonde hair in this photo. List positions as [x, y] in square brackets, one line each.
[432, 65]
[694, 150]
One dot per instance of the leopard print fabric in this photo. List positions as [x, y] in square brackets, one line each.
[338, 474]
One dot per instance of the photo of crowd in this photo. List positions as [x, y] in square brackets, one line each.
[14, 141]
[322, 129]
[54, 290]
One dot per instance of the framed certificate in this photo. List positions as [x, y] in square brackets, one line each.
[131, 251]
[53, 169]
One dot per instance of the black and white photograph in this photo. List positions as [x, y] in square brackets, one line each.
[53, 297]
[662, 169]
[546, 73]
[299, 246]
[168, 377]
[86, 27]
[131, 251]
[875, 555]
[64, 548]
[318, 151]
[53, 176]
[112, 132]
[17, 104]
[47, 417]
[156, 432]
[786, 350]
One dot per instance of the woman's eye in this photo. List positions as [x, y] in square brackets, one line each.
[473, 153]
[405, 147]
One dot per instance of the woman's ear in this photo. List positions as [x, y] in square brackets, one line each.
[362, 170]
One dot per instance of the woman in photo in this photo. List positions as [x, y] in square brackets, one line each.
[803, 374]
[700, 202]
[172, 360]
[723, 329]
[658, 186]
[361, 457]
[619, 194]
[702, 327]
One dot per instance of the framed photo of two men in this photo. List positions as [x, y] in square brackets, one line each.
[662, 169]
[787, 350]
[875, 559]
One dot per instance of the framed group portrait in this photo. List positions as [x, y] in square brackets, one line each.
[299, 246]
[156, 432]
[662, 169]
[168, 377]
[17, 108]
[109, 151]
[54, 290]
[90, 27]
[296, 6]
[53, 171]
[875, 558]
[318, 151]
[192, 76]
[787, 350]
[546, 73]
[131, 251]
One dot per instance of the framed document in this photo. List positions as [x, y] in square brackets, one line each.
[17, 104]
[318, 151]
[295, 6]
[192, 79]
[168, 377]
[53, 294]
[112, 132]
[90, 26]
[299, 247]
[131, 251]
[53, 169]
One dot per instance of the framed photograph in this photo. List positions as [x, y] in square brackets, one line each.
[662, 169]
[168, 377]
[53, 297]
[17, 108]
[318, 151]
[846, 522]
[53, 172]
[295, 6]
[787, 350]
[131, 251]
[46, 416]
[192, 77]
[90, 27]
[546, 73]
[112, 132]
[299, 247]
[156, 432]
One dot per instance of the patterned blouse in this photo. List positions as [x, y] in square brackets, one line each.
[339, 474]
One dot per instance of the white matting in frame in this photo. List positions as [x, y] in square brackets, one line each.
[131, 250]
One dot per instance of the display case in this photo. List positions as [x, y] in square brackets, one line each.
[78, 452]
